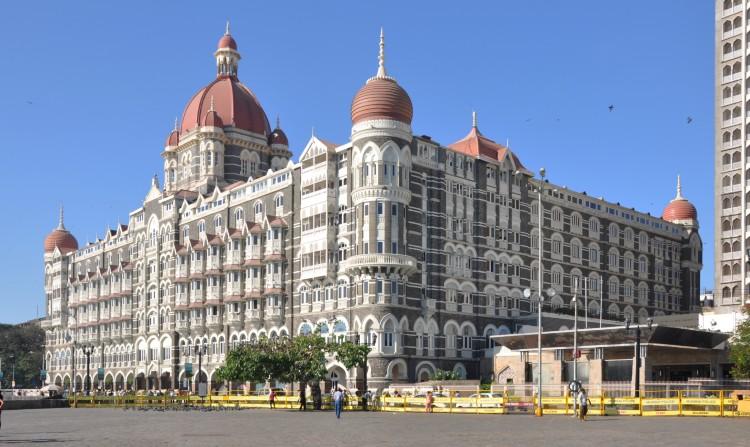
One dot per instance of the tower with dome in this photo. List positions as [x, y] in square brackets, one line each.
[417, 248]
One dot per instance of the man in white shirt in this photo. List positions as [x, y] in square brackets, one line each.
[338, 402]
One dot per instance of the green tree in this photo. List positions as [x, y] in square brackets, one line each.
[442, 374]
[739, 351]
[351, 355]
[22, 345]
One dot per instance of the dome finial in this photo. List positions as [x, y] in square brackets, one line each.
[474, 119]
[211, 105]
[61, 223]
[226, 32]
[278, 122]
[381, 56]
[175, 124]
[679, 188]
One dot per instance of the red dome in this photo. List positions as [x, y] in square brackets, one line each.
[213, 119]
[234, 104]
[61, 238]
[173, 139]
[382, 98]
[679, 209]
[227, 41]
[278, 137]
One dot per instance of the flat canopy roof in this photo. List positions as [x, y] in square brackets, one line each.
[666, 336]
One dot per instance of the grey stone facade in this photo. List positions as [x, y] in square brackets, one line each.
[414, 247]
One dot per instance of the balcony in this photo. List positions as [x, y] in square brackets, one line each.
[198, 295]
[181, 271]
[182, 325]
[234, 257]
[253, 314]
[731, 55]
[213, 263]
[254, 287]
[182, 299]
[126, 332]
[276, 313]
[197, 268]
[253, 252]
[213, 293]
[381, 261]
[451, 306]
[235, 318]
[215, 321]
[233, 288]
[274, 248]
[274, 281]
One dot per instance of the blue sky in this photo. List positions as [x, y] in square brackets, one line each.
[90, 92]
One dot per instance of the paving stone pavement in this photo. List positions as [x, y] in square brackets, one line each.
[117, 427]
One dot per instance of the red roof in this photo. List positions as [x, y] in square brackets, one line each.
[475, 144]
[679, 209]
[234, 104]
[382, 98]
[173, 139]
[227, 41]
[62, 239]
[278, 137]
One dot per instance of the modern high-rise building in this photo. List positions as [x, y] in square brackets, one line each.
[419, 249]
[732, 157]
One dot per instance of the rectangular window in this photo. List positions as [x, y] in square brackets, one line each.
[367, 209]
[394, 210]
[394, 247]
[380, 208]
[380, 247]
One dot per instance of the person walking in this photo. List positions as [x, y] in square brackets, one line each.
[338, 402]
[583, 404]
[272, 399]
[428, 402]
[302, 399]
[2, 403]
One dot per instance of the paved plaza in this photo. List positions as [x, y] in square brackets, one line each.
[117, 427]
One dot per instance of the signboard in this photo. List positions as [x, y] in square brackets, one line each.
[202, 389]
[43, 375]
[188, 369]
[1, 375]
[100, 373]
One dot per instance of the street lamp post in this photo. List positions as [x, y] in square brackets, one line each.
[575, 339]
[87, 351]
[200, 351]
[637, 354]
[13, 371]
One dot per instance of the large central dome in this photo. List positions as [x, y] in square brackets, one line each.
[232, 101]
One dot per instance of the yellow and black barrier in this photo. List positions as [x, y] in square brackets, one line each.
[678, 403]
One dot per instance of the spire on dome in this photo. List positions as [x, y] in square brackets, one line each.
[61, 224]
[212, 105]
[474, 119]
[679, 189]
[226, 32]
[381, 56]
[175, 124]
[278, 122]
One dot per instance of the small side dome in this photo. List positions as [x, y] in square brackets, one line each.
[680, 210]
[212, 119]
[173, 139]
[60, 238]
[227, 41]
[278, 136]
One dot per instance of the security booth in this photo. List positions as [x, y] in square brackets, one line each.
[606, 357]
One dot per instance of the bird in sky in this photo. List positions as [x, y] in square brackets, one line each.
[29, 102]
[689, 119]
[611, 108]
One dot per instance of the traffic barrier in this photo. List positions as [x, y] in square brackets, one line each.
[677, 403]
